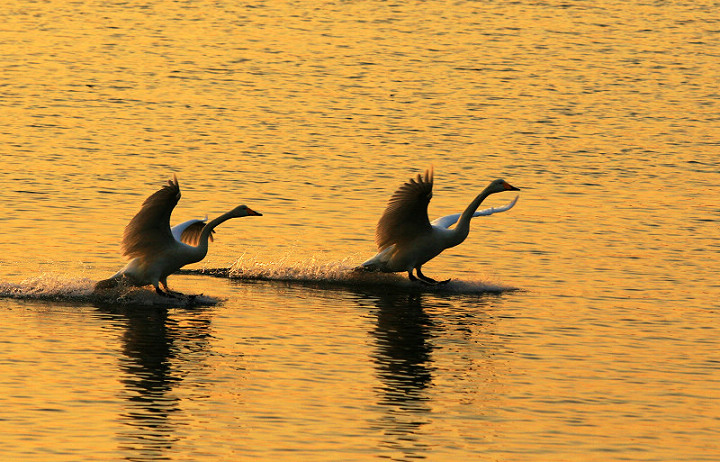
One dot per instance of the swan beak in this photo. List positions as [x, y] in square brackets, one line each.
[509, 187]
[253, 213]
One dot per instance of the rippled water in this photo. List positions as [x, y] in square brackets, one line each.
[580, 325]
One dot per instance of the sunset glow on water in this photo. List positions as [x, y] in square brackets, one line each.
[582, 324]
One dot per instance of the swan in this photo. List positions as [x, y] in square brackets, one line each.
[156, 250]
[406, 238]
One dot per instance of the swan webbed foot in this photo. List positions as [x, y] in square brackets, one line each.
[429, 280]
[168, 293]
[161, 293]
[433, 282]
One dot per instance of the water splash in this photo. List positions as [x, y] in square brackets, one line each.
[58, 287]
[341, 274]
[285, 269]
[48, 286]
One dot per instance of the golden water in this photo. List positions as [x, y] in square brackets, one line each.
[605, 115]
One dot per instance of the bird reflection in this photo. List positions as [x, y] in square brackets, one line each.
[403, 360]
[158, 354]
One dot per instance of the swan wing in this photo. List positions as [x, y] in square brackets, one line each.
[189, 232]
[449, 220]
[178, 229]
[446, 221]
[149, 230]
[491, 210]
[405, 216]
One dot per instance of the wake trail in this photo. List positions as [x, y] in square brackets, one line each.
[62, 288]
[339, 274]
[312, 272]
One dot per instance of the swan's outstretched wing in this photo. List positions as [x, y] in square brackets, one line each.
[449, 220]
[406, 214]
[189, 232]
[149, 230]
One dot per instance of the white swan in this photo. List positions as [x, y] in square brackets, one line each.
[405, 237]
[154, 250]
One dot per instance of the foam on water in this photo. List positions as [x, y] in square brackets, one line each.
[340, 274]
[58, 287]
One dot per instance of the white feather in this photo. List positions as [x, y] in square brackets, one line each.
[449, 220]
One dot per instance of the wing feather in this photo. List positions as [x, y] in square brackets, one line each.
[149, 230]
[449, 220]
[406, 216]
[191, 234]
[178, 229]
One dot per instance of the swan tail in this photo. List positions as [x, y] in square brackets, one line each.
[379, 262]
[109, 283]
[119, 279]
[366, 268]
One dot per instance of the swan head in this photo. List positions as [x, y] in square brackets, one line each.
[245, 211]
[501, 185]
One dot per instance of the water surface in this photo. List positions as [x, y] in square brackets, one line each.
[582, 324]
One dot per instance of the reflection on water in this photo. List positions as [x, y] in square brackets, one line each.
[158, 352]
[603, 112]
[403, 358]
[404, 348]
[405, 344]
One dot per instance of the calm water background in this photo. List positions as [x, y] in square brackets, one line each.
[313, 113]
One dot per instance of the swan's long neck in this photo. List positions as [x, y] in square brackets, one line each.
[462, 229]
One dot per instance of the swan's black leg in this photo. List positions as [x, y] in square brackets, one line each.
[161, 293]
[424, 278]
[412, 276]
[168, 292]
[428, 280]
